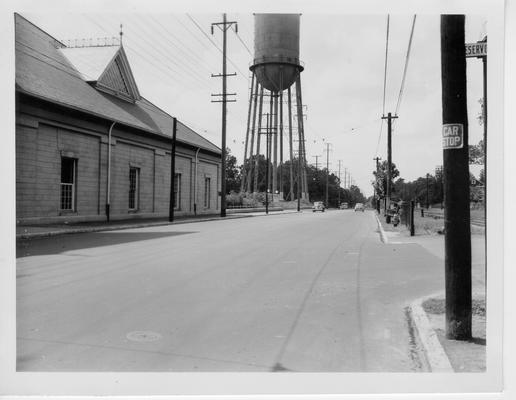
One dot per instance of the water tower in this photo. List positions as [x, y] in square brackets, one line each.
[276, 69]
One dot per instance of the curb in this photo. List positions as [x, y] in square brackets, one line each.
[383, 236]
[33, 235]
[433, 352]
[119, 227]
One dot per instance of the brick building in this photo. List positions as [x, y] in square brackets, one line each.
[70, 104]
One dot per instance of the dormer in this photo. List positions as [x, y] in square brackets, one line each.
[106, 68]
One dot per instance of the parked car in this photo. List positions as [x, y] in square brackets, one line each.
[344, 206]
[359, 207]
[318, 206]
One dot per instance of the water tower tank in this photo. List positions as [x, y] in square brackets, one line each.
[276, 50]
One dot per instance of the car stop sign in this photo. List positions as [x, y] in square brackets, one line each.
[453, 136]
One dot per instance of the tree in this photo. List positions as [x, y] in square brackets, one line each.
[476, 153]
[380, 181]
[356, 195]
[232, 173]
[262, 165]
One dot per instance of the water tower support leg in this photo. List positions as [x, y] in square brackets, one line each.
[242, 183]
[254, 99]
[258, 135]
[291, 194]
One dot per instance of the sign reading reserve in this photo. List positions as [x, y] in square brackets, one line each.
[478, 49]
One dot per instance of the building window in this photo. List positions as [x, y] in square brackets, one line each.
[177, 191]
[134, 188]
[68, 176]
[207, 190]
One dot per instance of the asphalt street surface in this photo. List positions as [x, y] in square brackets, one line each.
[302, 292]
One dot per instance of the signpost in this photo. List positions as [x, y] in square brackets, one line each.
[479, 50]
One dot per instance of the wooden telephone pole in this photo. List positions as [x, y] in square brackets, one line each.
[377, 201]
[389, 119]
[456, 179]
[327, 171]
[223, 26]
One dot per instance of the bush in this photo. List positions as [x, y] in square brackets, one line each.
[234, 199]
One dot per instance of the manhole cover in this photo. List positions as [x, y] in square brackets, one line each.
[143, 336]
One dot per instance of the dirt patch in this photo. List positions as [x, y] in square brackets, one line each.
[437, 306]
[464, 355]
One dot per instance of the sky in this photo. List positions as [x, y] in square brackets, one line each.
[173, 56]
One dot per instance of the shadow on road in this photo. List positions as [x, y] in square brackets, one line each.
[62, 243]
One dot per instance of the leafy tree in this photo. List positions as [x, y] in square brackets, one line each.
[476, 153]
[380, 181]
[250, 165]
[232, 173]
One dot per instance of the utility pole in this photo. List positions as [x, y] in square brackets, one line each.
[345, 177]
[267, 147]
[244, 176]
[389, 119]
[223, 26]
[427, 197]
[456, 179]
[327, 171]
[316, 161]
[290, 144]
[338, 188]
[377, 201]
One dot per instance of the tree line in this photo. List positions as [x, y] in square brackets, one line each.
[316, 181]
[428, 189]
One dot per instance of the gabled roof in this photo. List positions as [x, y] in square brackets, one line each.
[105, 67]
[43, 71]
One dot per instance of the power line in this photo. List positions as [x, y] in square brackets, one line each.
[379, 137]
[385, 68]
[384, 83]
[187, 50]
[241, 41]
[202, 42]
[158, 66]
[185, 70]
[215, 44]
[406, 65]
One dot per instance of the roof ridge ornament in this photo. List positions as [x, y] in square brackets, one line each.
[121, 34]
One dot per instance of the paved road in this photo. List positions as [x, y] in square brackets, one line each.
[293, 292]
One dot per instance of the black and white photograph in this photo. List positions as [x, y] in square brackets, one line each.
[239, 199]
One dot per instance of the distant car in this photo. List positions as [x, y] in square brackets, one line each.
[359, 207]
[318, 206]
[344, 206]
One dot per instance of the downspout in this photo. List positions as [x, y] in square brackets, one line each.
[108, 194]
[195, 181]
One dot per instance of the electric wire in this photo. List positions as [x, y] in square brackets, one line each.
[186, 71]
[215, 44]
[200, 83]
[193, 33]
[149, 60]
[385, 68]
[187, 50]
[405, 67]
[384, 84]
[243, 44]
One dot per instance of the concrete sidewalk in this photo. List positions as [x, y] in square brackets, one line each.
[34, 231]
[427, 315]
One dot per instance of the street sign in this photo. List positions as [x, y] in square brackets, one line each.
[453, 136]
[478, 49]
